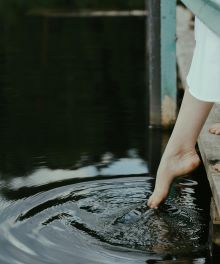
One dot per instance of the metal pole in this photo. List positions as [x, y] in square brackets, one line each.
[168, 62]
[153, 48]
[161, 46]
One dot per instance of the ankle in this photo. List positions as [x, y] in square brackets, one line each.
[179, 150]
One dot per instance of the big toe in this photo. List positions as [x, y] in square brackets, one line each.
[155, 200]
[150, 202]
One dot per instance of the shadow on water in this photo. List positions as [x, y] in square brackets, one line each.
[77, 162]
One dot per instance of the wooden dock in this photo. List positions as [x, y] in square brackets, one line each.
[209, 145]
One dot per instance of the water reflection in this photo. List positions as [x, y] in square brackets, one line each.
[109, 218]
[84, 98]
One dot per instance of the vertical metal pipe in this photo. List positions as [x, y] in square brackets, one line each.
[161, 46]
[168, 62]
[154, 59]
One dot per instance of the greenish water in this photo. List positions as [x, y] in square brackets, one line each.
[71, 85]
[77, 161]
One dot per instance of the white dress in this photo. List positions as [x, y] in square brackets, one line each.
[203, 78]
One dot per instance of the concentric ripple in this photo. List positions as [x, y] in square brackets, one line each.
[101, 221]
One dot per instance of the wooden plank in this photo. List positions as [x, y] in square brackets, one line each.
[209, 146]
[168, 62]
[214, 227]
[207, 11]
[53, 13]
[214, 213]
[153, 59]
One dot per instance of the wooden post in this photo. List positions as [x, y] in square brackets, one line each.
[153, 48]
[214, 229]
[162, 62]
[168, 62]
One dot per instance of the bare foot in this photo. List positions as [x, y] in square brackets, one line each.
[215, 129]
[172, 166]
[217, 167]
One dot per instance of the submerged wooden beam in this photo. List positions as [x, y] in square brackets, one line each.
[214, 228]
[207, 11]
[214, 213]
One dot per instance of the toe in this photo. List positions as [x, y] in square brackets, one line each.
[150, 200]
[154, 205]
[155, 200]
[217, 167]
[215, 129]
[212, 130]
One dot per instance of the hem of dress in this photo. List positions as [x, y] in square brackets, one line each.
[200, 98]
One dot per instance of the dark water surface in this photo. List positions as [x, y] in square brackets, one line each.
[77, 162]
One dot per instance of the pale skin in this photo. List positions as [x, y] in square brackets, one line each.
[180, 156]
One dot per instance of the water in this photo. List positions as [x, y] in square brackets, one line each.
[77, 162]
[100, 221]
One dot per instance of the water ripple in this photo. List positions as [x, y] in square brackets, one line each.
[101, 221]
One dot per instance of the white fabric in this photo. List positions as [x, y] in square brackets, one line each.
[203, 78]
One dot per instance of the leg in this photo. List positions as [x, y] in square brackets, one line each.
[180, 156]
